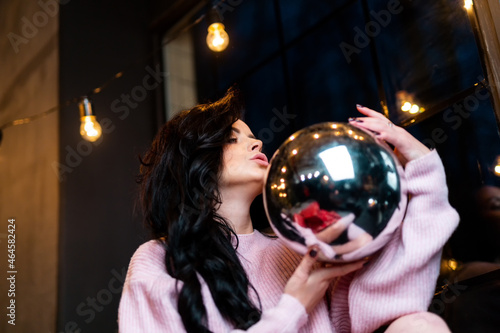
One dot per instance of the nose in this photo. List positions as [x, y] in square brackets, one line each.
[256, 144]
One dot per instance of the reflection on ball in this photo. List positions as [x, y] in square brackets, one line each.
[328, 174]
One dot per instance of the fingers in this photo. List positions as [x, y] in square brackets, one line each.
[380, 125]
[307, 269]
[306, 266]
[309, 283]
[408, 147]
[337, 270]
[369, 112]
[333, 231]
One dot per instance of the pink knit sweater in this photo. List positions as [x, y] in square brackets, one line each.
[399, 280]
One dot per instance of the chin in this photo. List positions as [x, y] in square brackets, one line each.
[258, 184]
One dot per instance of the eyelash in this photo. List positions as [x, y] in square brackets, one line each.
[233, 140]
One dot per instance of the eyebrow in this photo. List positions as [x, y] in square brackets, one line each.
[239, 132]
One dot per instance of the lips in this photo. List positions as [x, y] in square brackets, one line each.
[260, 159]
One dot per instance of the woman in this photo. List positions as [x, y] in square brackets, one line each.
[207, 270]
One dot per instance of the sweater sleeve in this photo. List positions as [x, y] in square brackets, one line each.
[149, 303]
[402, 279]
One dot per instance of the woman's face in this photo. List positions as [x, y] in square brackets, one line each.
[243, 162]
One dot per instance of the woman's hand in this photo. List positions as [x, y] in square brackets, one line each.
[407, 147]
[308, 283]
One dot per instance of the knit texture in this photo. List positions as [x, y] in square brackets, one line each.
[399, 279]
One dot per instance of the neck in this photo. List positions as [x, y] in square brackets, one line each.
[235, 208]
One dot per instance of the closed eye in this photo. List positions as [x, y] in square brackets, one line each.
[233, 140]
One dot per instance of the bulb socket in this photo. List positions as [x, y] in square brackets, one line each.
[213, 16]
[85, 108]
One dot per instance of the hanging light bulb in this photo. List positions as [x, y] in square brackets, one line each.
[90, 129]
[217, 38]
[468, 4]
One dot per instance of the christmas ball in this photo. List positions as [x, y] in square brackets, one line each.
[332, 184]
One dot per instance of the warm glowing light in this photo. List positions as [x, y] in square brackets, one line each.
[453, 264]
[406, 107]
[316, 136]
[325, 178]
[497, 170]
[282, 180]
[414, 109]
[283, 169]
[294, 151]
[90, 129]
[217, 38]
[334, 125]
[468, 4]
[316, 174]
[350, 132]
[292, 138]
[309, 175]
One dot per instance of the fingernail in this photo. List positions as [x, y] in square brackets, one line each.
[313, 253]
[358, 120]
[359, 106]
[351, 119]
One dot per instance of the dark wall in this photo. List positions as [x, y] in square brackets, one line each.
[99, 229]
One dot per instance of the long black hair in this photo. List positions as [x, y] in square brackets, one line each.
[179, 181]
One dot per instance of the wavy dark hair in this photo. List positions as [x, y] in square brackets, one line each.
[179, 181]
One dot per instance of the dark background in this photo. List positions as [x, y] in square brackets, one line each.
[283, 55]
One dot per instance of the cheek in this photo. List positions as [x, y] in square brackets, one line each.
[229, 166]
[228, 161]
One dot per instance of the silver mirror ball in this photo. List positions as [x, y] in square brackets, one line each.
[331, 173]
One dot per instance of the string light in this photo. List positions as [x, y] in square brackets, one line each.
[99, 89]
[468, 4]
[217, 37]
[90, 129]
